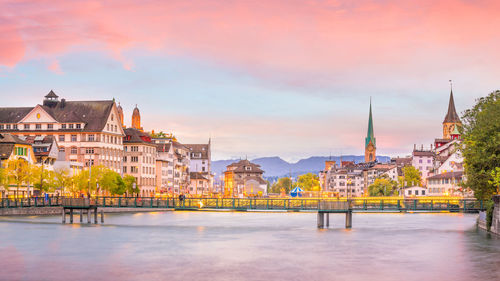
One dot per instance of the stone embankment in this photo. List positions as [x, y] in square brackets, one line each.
[495, 222]
[50, 211]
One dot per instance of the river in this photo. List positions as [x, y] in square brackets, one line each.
[248, 246]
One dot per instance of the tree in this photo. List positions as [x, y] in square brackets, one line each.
[308, 182]
[495, 174]
[112, 182]
[383, 186]
[62, 179]
[88, 180]
[411, 176]
[129, 181]
[42, 179]
[18, 171]
[4, 180]
[481, 145]
[282, 184]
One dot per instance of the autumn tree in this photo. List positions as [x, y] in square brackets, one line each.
[18, 172]
[411, 177]
[112, 182]
[481, 145]
[308, 182]
[62, 179]
[282, 184]
[383, 186]
[129, 185]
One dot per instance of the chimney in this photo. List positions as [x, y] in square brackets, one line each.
[63, 103]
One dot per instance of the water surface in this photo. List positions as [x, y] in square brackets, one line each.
[248, 246]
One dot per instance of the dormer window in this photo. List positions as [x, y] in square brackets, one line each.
[38, 126]
[26, 126]
[63, 126]
[71, 126]
[248, 168]
[50, 126]
[78, 126]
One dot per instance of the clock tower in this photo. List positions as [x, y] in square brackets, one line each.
[451, 120]
[370, 142]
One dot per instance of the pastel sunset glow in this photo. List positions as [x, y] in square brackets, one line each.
[262, 78]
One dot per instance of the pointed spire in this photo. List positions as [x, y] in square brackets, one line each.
[370, 135]
[451, 116]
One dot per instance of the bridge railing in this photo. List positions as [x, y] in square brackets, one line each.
[30, 202]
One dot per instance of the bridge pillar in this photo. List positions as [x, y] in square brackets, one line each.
[321, 220]
[102, 216]
[70, 215]
[327, 220]
[88, 216]
[63, 215]
[348, 219]
[95, 215]
[81, 215]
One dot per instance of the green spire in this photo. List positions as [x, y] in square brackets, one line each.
[370, 136]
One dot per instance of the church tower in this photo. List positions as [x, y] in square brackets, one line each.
[120, 114]
[136, 119]
[451, 120]
[370, 142]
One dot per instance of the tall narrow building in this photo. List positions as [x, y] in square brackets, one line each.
[120, 114]
[136, 119]
[451, 120]
[370, 142]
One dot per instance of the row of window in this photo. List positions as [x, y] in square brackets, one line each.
[416, 192]
[21, 151]
[38, 126]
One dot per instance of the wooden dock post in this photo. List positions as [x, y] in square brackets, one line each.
[321, 220]
[88, 216]
[327, 220]
[102, 216]
[348, 219]
[81, 215]
[70, 215]
[63, 215]
[95, 215]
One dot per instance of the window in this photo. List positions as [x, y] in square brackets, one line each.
[74, 150]
[116, 128]
[112, 116]
[89, 150]
[1, 127]
[125, 169]
[91, 138]
[429, 161]
[78, 126]
[107, 127]
[63, 126]
[416, 192]
[61, 137]
[134, 159]
[420, 161]
[125, 148]
[7, 126]
[423, 192]
[50, 126]
[133, 169]
[38, 126]
[409, 192]
[70, 126]
[73, 137]
[15, 126]
[61, 149]
[248, 168]
[125, 159]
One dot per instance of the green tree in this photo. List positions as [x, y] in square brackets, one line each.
[282, 184]
[42, 179]
[411, 176]
[481, 145]
[495, 174]
[112, 182]
[4, 180]
[308, 182]
[88, 180]
[383, 186]
[62, 179]
[129, 181]
[18, 172]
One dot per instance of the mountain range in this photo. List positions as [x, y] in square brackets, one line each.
[276, 167]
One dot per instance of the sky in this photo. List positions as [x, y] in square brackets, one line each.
[260, 78]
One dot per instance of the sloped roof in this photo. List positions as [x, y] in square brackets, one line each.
[133, 135]
[240, 167]
[198, 148]
[449, 175]
[451, 115]
[93, 113]
[198, 176]
[423, 153]
[7, 143]
[163, 147]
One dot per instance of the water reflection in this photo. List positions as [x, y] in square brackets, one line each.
[248, 246]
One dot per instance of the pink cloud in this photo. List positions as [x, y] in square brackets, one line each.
[55, 67]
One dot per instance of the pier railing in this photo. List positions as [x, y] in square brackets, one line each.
[264, 204]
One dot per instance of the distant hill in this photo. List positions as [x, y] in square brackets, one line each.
[275, 167]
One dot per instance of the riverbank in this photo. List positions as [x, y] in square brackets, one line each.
[51, 211]
[495, 221]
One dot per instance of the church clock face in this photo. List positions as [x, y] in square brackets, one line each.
[370, 148]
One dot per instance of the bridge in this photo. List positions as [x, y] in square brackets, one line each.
[323, 207]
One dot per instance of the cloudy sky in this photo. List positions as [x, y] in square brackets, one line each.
[262, 78]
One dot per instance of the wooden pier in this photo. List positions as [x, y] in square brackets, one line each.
[82, 205]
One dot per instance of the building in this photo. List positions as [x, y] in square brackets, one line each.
[451, 123]
[13, 148]
[199, 183]
[370, 141]
[423, 161]
[139, 160]
[345, 180]
[89, 132]
[136, 119]
[447, 183]
[244, 178]
[181, 167]
[200, 160]
[415, 191]
[45, 149]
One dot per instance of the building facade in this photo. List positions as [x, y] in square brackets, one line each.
[244, 178]
[88, 132]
